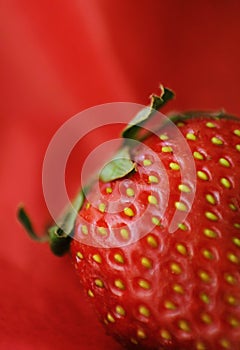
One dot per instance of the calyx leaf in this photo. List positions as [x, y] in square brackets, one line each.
[132, 131]
[118, 167]
[58, 236]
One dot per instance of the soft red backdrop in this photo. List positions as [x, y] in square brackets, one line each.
[58, 58]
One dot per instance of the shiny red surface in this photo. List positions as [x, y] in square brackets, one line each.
[58, 58]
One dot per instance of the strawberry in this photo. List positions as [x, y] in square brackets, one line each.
[157, 239]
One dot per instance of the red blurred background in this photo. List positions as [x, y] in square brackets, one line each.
[58, 58]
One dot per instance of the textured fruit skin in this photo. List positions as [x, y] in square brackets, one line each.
[177, 290]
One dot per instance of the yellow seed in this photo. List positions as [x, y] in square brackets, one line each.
[216, 141]
[110, 318]
[210, 199]
[120, 310]
[191, 136]
[230, 279]
[205, 298]
[198, 155]
[80, 255]
[119, 258]
[102, 231]
[210, 233]
[165, 334]
[144, 311]
[225, 343]
[202, 175]
[224, 162]
[206, 318]
[99, 283]
[144, 284]
[90, 293]
[184, 188]
[236, 241]
[210, 125]
[128, 212]
[207, 254]
[232, 207]
[204, 276]
[141, 334]
[180, 206]
[84, 229]
[178, 288]
[234, 322]
[130, 192]
[97, 258]
[237, 132]
[147, 162]
[238, 148]
[134, 341]
[231, 300]
[233, 258]
[88, 205]
[174, 166]
[181, 249]
[151, 240]
[146, 262]
[153, 179]
[152, 199]
[169, 305]
[119, 284]
[156, 221]
[109, 190]
[225, 182]
[163, 137]
[124, 233]
[184, 326]
[175, 268]
[180, 124]
[167, 149]
[102, 207]
[211, 216]
[200, 346]
[182, 227]
[236, 225]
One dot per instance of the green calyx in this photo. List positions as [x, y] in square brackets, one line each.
[59, 235]
[134, 128]
[221, 114]
[122, 165]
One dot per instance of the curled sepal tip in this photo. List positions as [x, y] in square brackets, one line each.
[27, 224]
[133, 130]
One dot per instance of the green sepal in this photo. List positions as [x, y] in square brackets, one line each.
[27, 224]
[58, 236]
[59, 241]
[120, 166]
[133, 130]
[221, 114]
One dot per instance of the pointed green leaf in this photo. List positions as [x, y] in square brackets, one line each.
[27, 224]
[133, 129]
[118, 167]
[66, 222]
[60, 234]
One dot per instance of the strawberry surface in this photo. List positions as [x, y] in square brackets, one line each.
[159, 288]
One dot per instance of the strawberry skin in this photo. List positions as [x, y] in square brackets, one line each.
[157, 289]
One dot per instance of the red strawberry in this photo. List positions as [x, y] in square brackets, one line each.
[158, 250]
